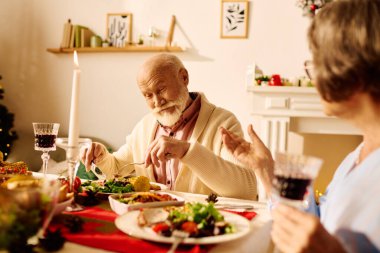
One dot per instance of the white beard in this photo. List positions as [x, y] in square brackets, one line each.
[169, 119]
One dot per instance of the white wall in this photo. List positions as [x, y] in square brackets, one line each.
[38, 84]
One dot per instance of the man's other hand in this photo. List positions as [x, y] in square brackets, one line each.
[165, 148]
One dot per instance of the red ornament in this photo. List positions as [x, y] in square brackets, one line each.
[275, 80]
[313, 7]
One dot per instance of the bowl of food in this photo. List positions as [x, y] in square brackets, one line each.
[122, 203]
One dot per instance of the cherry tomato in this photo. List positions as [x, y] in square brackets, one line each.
[190, 227]
[77, 184]
[160, 227]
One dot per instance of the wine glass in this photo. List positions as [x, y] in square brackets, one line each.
[26, 211]
[72, 158]
[44, 140]
[294, 174]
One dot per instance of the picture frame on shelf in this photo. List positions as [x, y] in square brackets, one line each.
[234, 19]
[119, 29]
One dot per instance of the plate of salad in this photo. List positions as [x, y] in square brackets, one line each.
[104, 188]
[203, 223]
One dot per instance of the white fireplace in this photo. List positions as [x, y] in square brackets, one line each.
[283, 112]
[284, 109]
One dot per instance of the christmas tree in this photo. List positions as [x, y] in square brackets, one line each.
[7, 135]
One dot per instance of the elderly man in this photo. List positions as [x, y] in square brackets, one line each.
[179, 140]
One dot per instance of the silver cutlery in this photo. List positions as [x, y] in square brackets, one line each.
[232, 206]
[129, 164]
[98, 173]
[101, 175]
[179, 236]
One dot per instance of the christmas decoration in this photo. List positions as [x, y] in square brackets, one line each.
[277, 80]
[7, 135]
[310, 7]
[262, 80]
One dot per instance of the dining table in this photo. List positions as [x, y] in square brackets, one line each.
[256, 240]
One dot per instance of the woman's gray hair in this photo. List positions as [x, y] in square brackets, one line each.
[344, 38]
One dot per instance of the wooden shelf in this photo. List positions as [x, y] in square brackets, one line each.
[114, 49]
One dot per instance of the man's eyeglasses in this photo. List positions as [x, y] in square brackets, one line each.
[309, 69]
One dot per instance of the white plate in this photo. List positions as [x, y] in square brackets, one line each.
[121, 208]
[128, 224]
[48, 176]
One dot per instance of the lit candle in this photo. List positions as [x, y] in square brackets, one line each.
[74, 113]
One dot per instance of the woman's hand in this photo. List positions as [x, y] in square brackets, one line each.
[295, 231]
[254, 154]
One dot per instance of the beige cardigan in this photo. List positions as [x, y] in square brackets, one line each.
[207, 166]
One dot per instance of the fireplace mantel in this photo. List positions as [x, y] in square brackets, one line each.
[284, 109]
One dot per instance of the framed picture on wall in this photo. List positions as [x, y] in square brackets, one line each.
[119, 29]
[234, 19]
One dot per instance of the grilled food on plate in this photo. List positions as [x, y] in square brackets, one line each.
[8, 169]
[121, 203]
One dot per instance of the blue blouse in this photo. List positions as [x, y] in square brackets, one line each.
[350, 209]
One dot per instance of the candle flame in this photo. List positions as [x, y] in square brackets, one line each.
[76, 59]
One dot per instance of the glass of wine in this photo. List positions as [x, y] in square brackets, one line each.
[294, 174]
[72, 158]
[44, 140]
[27, 207]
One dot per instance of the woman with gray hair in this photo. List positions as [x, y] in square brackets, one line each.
[344, 39]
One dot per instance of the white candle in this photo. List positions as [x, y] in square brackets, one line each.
[74, 110]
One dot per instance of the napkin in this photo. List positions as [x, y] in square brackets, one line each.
[246, 214]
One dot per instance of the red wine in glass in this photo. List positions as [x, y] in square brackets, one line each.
[294, 173]
[45, 141]
[291, 188]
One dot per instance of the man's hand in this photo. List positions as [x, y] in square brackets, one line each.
[254, 155]
[165, 148]
[295, 231]
[92, 154]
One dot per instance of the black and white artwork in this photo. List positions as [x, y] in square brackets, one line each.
[119, 29]
[234, 19]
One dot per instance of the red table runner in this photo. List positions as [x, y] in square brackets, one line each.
[99, 231]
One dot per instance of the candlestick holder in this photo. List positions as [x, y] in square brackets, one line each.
[72, 158]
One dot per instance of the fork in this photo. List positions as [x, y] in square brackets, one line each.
[100, 174]
[179, 236]
[232, 206]
[135, 163]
